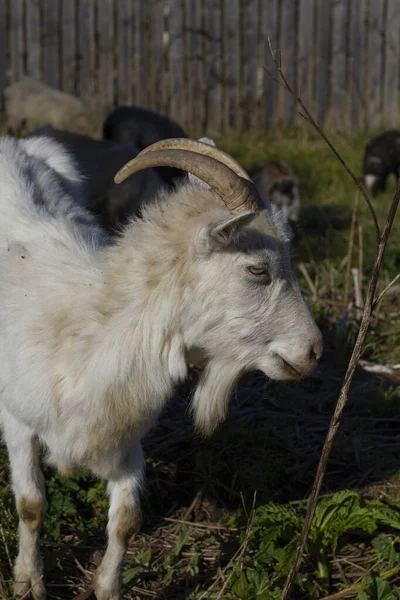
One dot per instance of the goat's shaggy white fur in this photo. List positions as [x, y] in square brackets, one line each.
[93, 335]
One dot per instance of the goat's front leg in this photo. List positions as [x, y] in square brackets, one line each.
[28, 487]
[124, 518]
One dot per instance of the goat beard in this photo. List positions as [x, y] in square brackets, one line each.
[211, 399]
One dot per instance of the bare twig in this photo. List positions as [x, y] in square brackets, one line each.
[361, 253]
[189, 511]
[335, 422]
[199, 525]
[381, 241]
[308, 117]
[236, 557]
[357, 290]
[86, 595]
[349, 592]
[380, 370]
[350, 250]
[355, 589]
[31, 588]
[387, 288]
[3, 537]
[307, 277]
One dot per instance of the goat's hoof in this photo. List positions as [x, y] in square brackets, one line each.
[86, 595]
[30, 584]
[105, 588]
[103, 594]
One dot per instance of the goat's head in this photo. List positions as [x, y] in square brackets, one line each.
[245, 305]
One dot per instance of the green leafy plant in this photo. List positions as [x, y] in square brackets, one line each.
[276, 529]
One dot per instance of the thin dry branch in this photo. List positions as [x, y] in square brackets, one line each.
[387, 288]
[308, 117]
[361, 253]
[381, 241]
[335, 422]
[236, 558]
[381, 371]
[307, 277]
[350, 250]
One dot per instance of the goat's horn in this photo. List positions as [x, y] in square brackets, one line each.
[199, 148]
[237, 194]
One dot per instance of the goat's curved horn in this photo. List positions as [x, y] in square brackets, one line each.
[238, 194]
[199, 148]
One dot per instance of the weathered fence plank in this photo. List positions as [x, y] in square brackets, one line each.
[375, 63]
[125, 51]
[231, 36]
[250, 63]
[51, 42]
[86, 50]
[357, 33]
[269, 21]
[3, 45]
[176, 57]
[288, 48]
[140, 55]
[392, 55]
[305, 65]
[17, 39]
[68, 46]
[323, 43]
[214, 66]
[105, 27]
[33, 43]
[339, 53]
[201, 61]
[194, 44]
[157, 25]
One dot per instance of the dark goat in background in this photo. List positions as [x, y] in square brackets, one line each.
[381, 158]
[278, 182]
[141, 128]
[98, 161]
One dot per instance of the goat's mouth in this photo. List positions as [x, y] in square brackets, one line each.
[290, 370]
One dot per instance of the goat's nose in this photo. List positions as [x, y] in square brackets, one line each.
[316, 347]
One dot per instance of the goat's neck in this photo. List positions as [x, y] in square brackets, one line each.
[137, 326]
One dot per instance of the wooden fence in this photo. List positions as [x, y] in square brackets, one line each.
[202, 61]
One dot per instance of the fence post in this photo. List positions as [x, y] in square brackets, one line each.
[213, 66]
[288, 48]
[51, 43]
[375, 63]
[176, 57]
[357, 97]
[195, 64]
[339, 52]
[68, 45]
[17, 39]
[86, 50]
[248, 105]
[231, 36]
[392, 55]
[323, 45]
[269, 20]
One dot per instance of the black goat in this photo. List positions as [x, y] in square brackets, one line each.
[141, 128]
[98, 162]
[381, 158]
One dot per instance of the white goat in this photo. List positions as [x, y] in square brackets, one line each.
[93, 335]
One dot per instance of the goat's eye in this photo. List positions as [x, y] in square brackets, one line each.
[259, 271]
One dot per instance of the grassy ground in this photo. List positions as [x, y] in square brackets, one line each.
[206, 534]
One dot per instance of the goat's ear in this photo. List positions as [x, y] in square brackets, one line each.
[221, 234]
